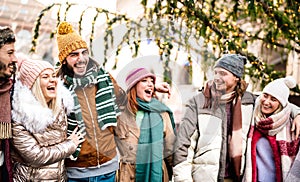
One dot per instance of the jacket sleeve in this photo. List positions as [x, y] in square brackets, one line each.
[120, 94]
[169, 140]
[36, 155]
[295, 110]
[293, 173]
[185, 144]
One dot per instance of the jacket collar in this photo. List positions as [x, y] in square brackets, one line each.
[30, 113]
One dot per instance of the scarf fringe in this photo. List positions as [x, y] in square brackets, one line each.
[5, 130]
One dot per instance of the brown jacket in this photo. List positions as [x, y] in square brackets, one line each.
[99, 145]
[127, 135]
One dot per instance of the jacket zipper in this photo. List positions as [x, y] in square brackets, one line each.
[94, 127]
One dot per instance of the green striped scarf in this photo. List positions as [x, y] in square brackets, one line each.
[106, 107]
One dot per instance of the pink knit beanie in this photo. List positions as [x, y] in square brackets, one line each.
[29, 70]
[136, 75]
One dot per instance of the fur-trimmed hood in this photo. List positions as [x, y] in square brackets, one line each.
[30, 113]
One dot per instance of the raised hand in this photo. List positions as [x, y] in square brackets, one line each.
[77, 136]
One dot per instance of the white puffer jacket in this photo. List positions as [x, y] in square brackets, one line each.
[198, 152]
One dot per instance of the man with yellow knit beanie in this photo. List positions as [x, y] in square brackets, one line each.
[95, 109]
[95, 95]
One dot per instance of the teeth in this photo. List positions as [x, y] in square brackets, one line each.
[51, 87]
[148, 91]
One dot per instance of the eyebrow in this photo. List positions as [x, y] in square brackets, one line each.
[221, 71]
[47, 73]
[77, 52]
[74, 53]
[44, 74]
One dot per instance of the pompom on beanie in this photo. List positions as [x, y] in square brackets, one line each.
[68, 40]
[29, 70]
[136, 75]
[233, 63]
[280, 89]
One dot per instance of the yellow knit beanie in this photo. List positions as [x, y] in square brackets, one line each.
[68, 40]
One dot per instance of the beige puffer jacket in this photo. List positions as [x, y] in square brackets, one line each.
[40, 141]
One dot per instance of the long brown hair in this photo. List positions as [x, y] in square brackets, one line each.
[241, 87]
[132, 105]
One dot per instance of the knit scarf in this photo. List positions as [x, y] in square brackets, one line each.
[276, 129]
[213, 98]
[105, 100]
[5, 109]
[150, 145]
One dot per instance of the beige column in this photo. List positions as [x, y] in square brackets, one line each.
[293, 66]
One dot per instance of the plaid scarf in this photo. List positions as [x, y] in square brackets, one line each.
[5, 109]
[276, 129]
[213, 99]
[105, 100]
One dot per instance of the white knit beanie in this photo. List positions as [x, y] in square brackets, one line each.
[29, 70]
[280, 89]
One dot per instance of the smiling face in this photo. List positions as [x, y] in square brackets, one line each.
[269, 104]
[78, 61]
[48, 83]
[8, 60]
[224, 80]
[145, 89]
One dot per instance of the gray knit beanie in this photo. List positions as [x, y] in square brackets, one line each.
[233, 63]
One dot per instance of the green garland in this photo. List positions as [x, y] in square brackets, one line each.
[219, 23]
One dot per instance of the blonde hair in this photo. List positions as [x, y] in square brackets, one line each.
[38, 94]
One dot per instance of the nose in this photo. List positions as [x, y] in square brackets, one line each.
[217, 77]
[81, 57]
[52, 78]
[14, 58]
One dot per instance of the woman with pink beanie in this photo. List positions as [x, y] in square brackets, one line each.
[145, 132]
[271, 147]
[39, 129]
